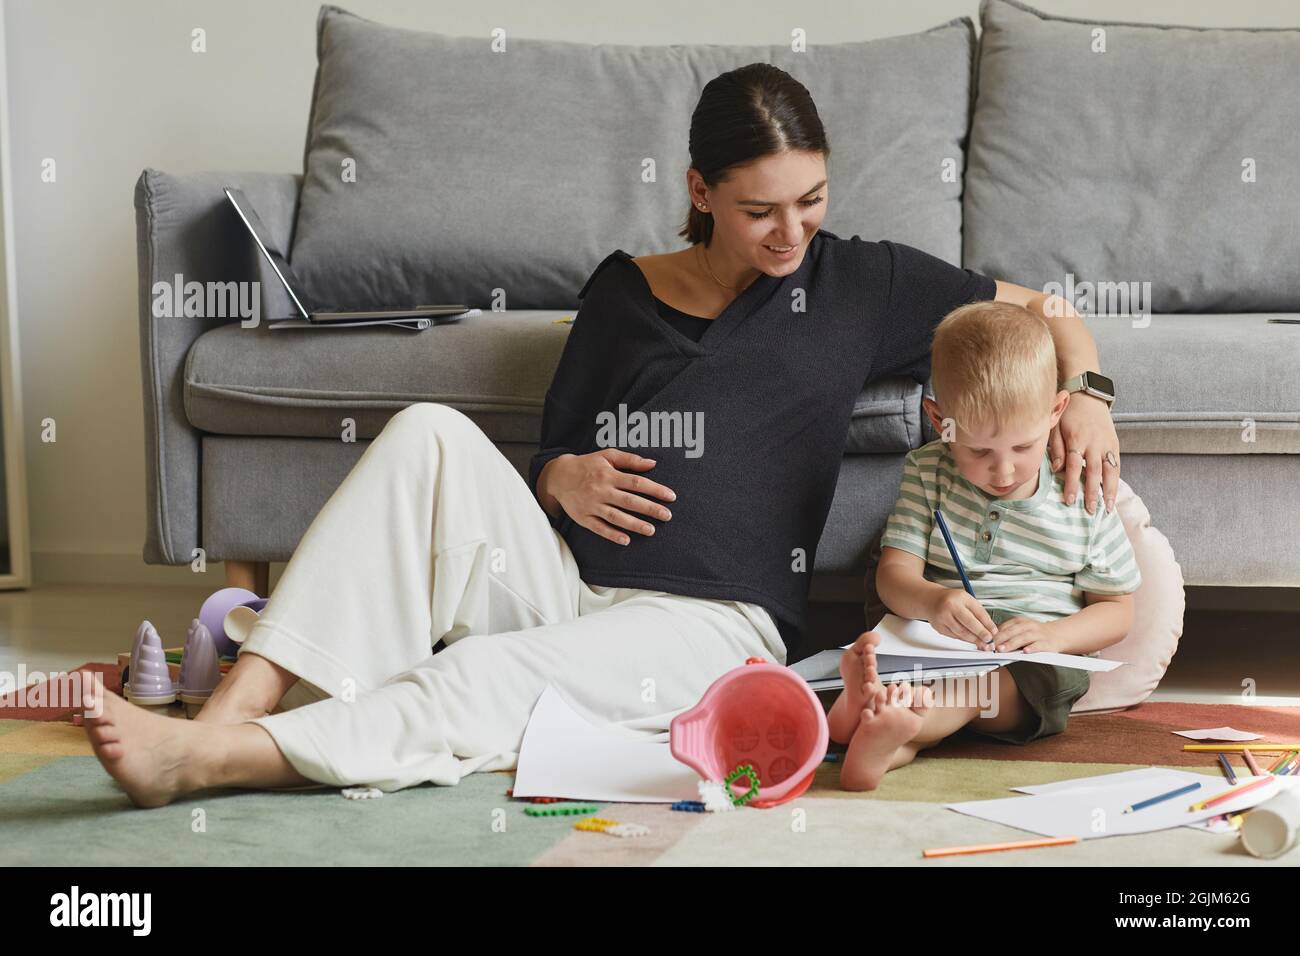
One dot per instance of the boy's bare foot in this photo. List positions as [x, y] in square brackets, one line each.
[149, 755]
[861, 685]
[895, 719]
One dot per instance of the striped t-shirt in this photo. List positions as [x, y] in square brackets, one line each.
[1034, 557]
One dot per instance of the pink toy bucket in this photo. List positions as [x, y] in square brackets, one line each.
[760, 714]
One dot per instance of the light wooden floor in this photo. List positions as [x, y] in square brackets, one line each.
[61, 626]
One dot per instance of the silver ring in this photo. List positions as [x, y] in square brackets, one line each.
[1111, 460]
[1075, 451]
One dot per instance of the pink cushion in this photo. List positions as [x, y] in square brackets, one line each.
[1158, 606]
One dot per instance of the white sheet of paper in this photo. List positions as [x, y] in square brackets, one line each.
[563, 755]
[1076, 810]
[1218, 733]
[901, 636]
[1156, 777]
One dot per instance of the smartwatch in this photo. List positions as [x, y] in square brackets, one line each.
[1092, 383]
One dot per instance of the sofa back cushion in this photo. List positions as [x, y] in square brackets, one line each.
[1129, 153]
[438, 170]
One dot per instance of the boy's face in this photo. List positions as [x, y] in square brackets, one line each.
[1004, 465]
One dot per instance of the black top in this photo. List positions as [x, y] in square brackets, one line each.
[769, 388]
[691, 326]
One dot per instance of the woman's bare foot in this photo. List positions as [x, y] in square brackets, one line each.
[894, 720]
[151, 756]
[858, 668]
[251, 689]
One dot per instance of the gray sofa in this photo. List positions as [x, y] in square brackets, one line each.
[243, 424]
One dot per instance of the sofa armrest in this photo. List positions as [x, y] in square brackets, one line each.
[185, 227]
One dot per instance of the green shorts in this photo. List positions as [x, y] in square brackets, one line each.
[1050, 691]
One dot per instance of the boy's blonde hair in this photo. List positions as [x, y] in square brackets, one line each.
[993, 364]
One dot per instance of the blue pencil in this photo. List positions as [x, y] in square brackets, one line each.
[1227, 770]
[952, 549]
[1164, 796]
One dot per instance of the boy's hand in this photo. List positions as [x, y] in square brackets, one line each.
[1022, 633]
[959, 615]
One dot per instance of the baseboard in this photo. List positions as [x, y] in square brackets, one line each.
[1243, 599]
[77, 567]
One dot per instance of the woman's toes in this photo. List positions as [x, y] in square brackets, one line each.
[143, 752]
[113, 750]
[102, 733]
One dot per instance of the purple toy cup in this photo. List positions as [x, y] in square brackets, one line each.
[213, 615]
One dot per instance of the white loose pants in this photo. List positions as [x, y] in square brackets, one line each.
[434, 535]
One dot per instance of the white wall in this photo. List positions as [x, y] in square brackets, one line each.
[108, 88]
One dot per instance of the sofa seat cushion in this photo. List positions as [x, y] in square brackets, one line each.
[1203, 384]
[1199, 384]
[495, 368]
[303, 382]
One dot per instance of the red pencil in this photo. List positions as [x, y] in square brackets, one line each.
[1229, 794]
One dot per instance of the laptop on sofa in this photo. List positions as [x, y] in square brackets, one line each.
[419, 317]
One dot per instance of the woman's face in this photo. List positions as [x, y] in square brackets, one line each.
[766, 213]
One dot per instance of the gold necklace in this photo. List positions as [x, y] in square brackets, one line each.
[729, 288]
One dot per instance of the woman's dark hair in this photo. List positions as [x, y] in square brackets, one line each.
[743, 115]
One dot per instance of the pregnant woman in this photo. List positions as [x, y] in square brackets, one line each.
[691, 441]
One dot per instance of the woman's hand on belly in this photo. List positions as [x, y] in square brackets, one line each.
[599, 492]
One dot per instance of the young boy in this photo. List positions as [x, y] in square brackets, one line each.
[1047, 576]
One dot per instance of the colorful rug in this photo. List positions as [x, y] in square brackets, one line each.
[58, 807]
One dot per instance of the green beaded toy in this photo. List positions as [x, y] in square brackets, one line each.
[744, 770]
[561, 810]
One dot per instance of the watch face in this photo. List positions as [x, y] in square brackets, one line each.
[1097, 381]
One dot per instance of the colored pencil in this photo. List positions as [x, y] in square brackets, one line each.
[1250, 762]
[952, 549]
[1233, 819]
[1142, 804]
[1229, 794]
[1279, 762]
[1227, 769]
[995, 847]
[956, 559]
